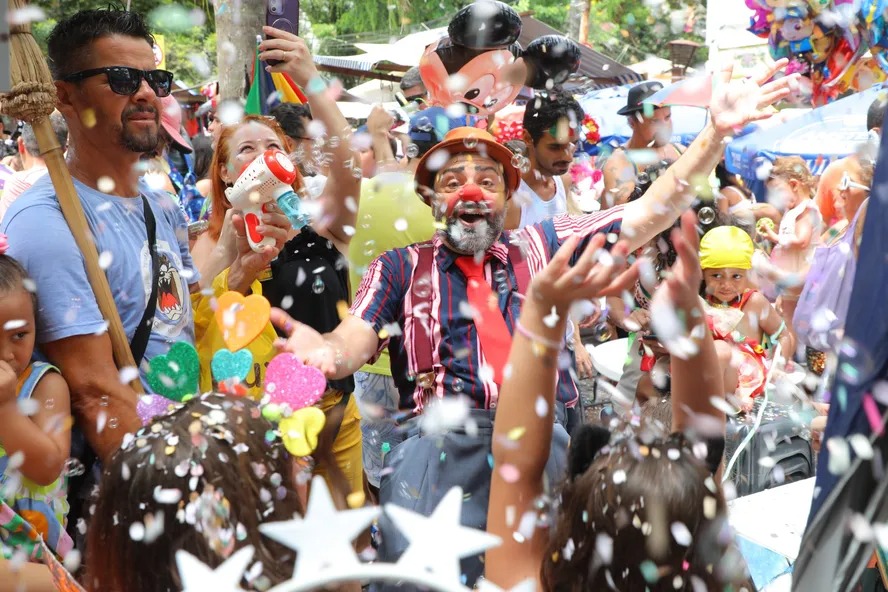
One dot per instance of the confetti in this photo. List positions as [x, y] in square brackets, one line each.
[872, 414]
[509, 473]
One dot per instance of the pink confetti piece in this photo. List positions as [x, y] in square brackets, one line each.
[872, 413]
[509, 473]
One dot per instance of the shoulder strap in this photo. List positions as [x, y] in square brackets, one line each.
[143, 331]
[422, 338]
[29, 379]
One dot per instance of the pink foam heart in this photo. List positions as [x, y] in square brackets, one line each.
[290, 382]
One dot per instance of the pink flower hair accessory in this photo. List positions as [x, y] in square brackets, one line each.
[4, 244]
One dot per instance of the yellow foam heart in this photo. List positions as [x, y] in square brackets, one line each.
[300, 431]
[241, 319]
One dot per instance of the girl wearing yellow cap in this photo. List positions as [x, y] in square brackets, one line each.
[738, 315]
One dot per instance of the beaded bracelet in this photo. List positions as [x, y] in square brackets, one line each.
[537, 339]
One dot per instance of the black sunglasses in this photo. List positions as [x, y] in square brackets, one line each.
[126, 81]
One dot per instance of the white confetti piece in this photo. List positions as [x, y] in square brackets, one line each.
[861, 446]
[541, 406]
[681, 534]
[839, 455]
[14, 324]
[28, 407]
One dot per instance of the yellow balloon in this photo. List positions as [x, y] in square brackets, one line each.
[300, 431]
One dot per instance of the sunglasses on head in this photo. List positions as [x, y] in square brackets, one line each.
[846, 183]
[126, 81]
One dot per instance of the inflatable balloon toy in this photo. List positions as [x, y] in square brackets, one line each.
[481, 66]
[872, 18]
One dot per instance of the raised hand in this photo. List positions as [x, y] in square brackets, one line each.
[248, 264]
[677, 299]
[305, 343]
[596, 273]
[736, 103]
[292, 54]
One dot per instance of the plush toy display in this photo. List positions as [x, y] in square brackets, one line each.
[480, 65]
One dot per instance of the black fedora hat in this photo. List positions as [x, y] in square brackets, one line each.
[637, 96]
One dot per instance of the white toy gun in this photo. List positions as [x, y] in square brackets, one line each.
[268, 179]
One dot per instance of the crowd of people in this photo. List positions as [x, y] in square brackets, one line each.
[435, 277]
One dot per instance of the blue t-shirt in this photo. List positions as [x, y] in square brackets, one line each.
[39, 238]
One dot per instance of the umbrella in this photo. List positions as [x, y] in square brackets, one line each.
[32, 99]
[831, 558]
[820, 136]
[603, 105]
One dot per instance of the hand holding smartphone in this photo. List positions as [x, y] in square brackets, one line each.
[283, 15]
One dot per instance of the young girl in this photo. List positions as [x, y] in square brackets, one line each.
[34, 428]
[799, 231]
[738, 315]
[625, 492]
[202, 479]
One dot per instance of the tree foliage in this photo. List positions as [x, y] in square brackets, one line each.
[190, 44]
[631, 30]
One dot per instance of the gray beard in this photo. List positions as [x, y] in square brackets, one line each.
[470, 241]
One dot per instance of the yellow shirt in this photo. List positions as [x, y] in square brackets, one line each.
[208, 339]
[390, 215]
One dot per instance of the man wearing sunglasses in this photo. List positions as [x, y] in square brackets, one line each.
[109, 92]
[413, 88]
[829, 186]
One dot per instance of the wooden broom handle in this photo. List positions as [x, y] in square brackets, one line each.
[71, 209]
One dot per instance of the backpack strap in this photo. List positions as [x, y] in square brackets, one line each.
[422, 344]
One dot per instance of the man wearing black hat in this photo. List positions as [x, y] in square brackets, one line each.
[631, 169]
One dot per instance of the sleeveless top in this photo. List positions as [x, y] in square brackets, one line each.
[29, 511]
[539, 210]
[797, 260]
[308, 280]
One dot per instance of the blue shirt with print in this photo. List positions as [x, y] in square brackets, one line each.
[39, 238]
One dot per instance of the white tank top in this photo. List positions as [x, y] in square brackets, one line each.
[536, 209]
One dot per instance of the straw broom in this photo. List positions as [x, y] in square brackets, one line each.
[32, 99]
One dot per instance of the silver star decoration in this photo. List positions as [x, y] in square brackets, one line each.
[196, 576]
[439, 541]
[324, 537]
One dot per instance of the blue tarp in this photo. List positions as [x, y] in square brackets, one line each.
[819, 136]
[603, 105]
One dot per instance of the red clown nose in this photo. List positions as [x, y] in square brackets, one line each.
[471, 192]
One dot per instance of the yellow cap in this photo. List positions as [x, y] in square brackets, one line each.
[726, 246]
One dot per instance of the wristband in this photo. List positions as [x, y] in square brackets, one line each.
[316, 86]
[537, 339]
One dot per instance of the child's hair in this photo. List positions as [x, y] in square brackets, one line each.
[13, 277]
[793, 168]
[645, 514]
[201, 479]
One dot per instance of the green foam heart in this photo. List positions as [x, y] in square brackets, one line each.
[175, 374]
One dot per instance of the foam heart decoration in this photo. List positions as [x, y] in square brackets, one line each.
[289, 382]
[228, 365]
[151, 406]
[300, 431]
[241, 319]
[175, 374]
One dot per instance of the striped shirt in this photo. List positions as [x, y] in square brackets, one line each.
[389, 302]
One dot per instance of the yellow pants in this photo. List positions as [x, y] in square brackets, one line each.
[347, 448]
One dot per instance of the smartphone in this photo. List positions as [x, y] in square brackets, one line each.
[402, 100]
[284, 15]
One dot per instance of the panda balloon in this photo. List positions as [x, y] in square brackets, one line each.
[481, 66]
